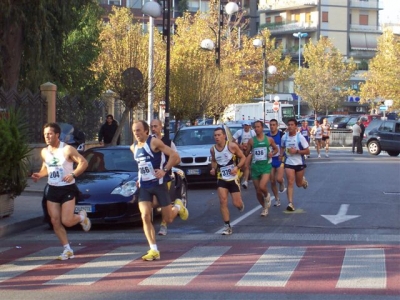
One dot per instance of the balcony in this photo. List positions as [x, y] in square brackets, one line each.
[366, 28]
[371, 4]
[286, 5]
[289, 27]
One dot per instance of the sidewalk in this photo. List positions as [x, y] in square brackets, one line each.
[27, 210]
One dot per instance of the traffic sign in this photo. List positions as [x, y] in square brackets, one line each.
[383, 107]
[275, 106]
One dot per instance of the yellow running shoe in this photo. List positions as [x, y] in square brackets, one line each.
[183, 212]
[151, 255]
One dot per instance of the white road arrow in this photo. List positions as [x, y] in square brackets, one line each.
[341, 216]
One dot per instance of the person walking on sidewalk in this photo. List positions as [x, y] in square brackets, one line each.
[153, 178]
[356, 137]
[242, 137]
[294, 146]
[156, 128]
[223, 164]
[277, 170]
[58, 159]
[107, 131]
[259, 146]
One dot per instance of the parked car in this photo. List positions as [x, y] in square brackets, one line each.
[310, 122]
[368, 119]
[193, 144]
[351, 122]
[383, 135]
[342, 123]
[108, 190]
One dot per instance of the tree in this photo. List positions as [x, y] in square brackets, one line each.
[324, 82]
[383, 77]
[32, 39]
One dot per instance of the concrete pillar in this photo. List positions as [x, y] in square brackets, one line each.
[49, 90]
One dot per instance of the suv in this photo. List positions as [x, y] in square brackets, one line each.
[383, 135]
[193, 144]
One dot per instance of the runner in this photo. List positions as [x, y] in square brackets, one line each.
[223, 163]
[242, 137]
[58, 159]
[326, 130]
[277, 166]
[316, 131]
[153, 177]
[294, 146]
[305, 131]
[259, 147]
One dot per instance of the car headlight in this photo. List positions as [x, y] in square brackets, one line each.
[126, 190]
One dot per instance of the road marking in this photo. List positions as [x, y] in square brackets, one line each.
[184, 269]
[391, 193]
[4, 249]
[273, 268]
[27, 263]
[341, 216]
[363, 269]
[241, 218]
[100, 267]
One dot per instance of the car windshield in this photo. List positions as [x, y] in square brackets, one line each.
[110, 160]
[195, 136]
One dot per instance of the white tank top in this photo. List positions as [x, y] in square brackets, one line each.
[58, 166]
[226, 162]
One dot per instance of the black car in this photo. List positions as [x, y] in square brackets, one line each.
[107, 188]
[383, 135]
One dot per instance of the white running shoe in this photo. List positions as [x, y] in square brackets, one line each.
[67, 254]
[277, 203]
[227, 230]
[245, 184]
[267, 201]
[282, 187]
[264, 212]
[86, 224]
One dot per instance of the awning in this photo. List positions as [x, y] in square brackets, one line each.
[363, 41]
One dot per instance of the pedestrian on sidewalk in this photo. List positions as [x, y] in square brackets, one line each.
[223, 164]
[58, 159]
[362, 127]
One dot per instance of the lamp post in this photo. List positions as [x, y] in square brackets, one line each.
[207, 44]
[271, 69]
[299, 35]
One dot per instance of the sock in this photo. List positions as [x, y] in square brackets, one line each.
[67, 247]
[164, 223]
[82, 218]
[228, 223]
[153, 247]
[178, 207]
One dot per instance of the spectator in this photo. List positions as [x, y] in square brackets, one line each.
[361, 134]
[108, 130]
[356, 137]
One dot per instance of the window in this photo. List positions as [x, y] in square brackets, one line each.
[268, 20]
[363, 19]
[387, 127]
[397, 128]
[278, 19]
[114, 2]
[135, 3]
[325, 16]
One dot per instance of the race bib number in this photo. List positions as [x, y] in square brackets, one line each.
[146, 171]
[260, 153]
[55, 175]
[226, 172]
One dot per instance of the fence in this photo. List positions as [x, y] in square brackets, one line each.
[341, 138]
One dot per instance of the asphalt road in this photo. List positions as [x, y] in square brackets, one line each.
[342, 242]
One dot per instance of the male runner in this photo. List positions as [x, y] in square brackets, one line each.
[261, 164]
[223, 163]
[153, 172]
[58, 159]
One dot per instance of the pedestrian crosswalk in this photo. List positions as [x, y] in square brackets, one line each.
[251, 265]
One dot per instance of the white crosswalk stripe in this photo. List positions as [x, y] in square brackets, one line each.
[100, 267]
[363, 269]
[184, 269]
[274, 267]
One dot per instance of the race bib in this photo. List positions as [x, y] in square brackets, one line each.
[55, 175]
[226, 172]
[260, 153]
[146, 171]
[289, 145]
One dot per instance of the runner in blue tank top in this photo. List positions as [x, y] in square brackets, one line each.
[147, 152]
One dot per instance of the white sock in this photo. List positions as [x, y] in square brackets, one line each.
[82, 218]
[178, 207]
[153, 247]
[67, 247]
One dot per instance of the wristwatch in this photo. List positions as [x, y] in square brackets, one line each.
[73, 175]
[165, 170]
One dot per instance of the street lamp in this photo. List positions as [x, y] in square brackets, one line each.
[207, 44]
[299, 35]
[271, 69]
[153, 9]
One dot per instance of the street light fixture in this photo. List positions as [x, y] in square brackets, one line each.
[299, 35]
[154, 9]
[271, 69]
[207, 44]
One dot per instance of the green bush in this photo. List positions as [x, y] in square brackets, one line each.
[14, 152]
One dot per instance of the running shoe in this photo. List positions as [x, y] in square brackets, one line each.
[267, 201]
[305, 183]
[151, 255]
[277, 202]
[245, 184]
[264, 212]
[163, 229]
[326, 155]
[67, 254]
[227, 230]
[241, 209]
[183, 212]
[86, 224]
[282, 187]
[290, 207]
[319, 155]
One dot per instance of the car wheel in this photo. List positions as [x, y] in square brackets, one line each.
[393, 153]
[374, 148]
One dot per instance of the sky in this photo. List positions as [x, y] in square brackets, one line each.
[390, 12]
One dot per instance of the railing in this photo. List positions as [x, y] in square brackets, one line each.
[341, 138]
[282, 4]
[288, 26]
[367, 4]
[367, 28]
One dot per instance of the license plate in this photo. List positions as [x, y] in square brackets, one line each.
[193, 172]
[88, 208]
